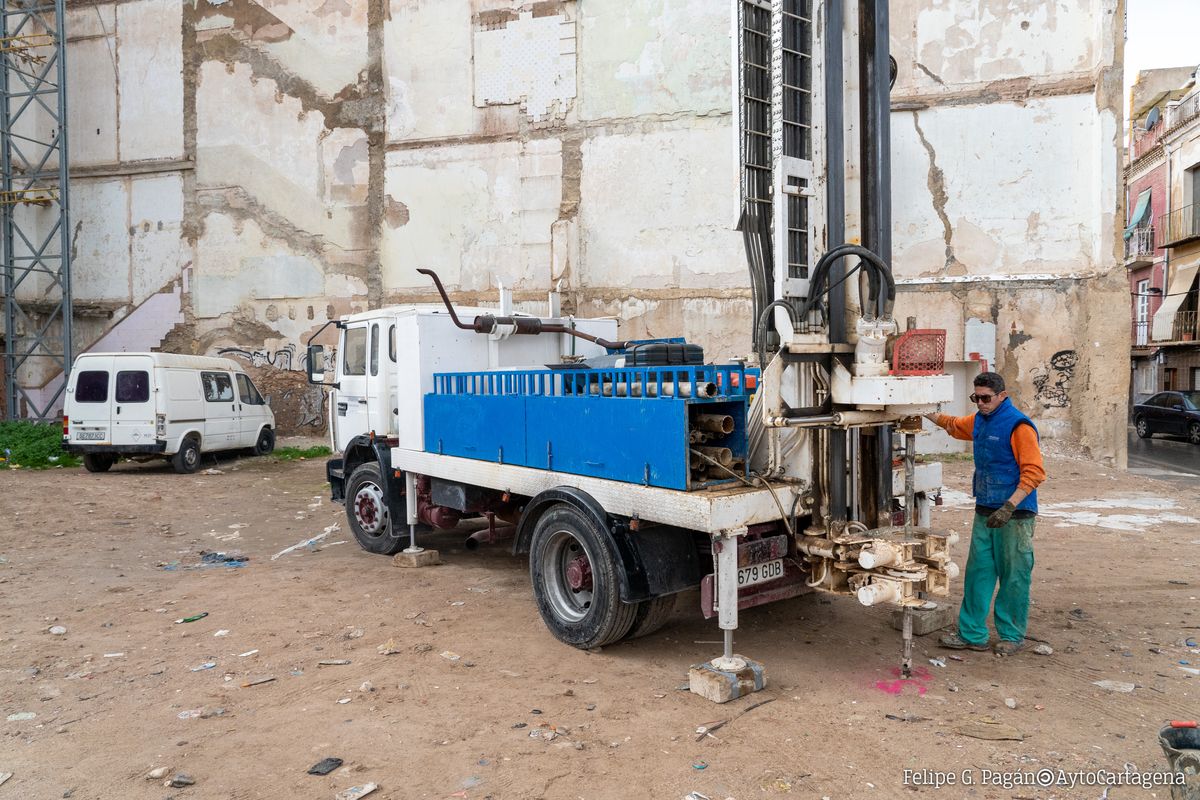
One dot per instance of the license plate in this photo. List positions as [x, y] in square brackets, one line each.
[90, 436]
[760, 573]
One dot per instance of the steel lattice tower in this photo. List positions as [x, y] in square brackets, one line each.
[34, 227]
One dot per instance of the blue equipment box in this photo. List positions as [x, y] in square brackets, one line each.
[636, 425]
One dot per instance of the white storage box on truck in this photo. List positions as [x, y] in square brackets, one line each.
[145, 405]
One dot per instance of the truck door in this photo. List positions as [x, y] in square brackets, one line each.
[220, 412]
[133, 401]
[89, 401]
[350, 412]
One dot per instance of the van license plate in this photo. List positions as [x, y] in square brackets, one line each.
[760, 573]
[90, 436]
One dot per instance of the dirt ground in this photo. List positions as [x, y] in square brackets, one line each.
[480, 701]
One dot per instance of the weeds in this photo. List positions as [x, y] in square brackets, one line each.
[33, 445]
[297, 453]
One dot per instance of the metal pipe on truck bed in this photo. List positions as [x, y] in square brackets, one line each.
[649, 389]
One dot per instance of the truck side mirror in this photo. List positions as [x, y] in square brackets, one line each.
[316, 364]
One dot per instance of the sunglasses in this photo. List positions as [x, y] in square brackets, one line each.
[981, 398]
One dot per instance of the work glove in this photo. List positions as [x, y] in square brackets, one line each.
[1001, 515]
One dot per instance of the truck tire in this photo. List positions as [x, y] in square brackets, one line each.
[651, 615]
[575, 580]
[98, 462]
[187, 459]
[266, 442]
[367, 512]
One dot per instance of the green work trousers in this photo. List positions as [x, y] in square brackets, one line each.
[1004, 556]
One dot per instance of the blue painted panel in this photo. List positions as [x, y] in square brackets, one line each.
[489, 428]
[614, 438]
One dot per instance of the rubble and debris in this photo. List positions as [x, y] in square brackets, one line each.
[192, 618]
[355, 792]
[325, 766]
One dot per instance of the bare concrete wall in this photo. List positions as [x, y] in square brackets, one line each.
[274, 165]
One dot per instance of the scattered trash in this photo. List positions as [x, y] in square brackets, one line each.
[451, 656]
[343, 701]
[519, 725]
[309, 543]
[356, 633]
[937, 662]
[990, 730]
[1191, 670]
[190, 714]
[333, 662]
[695, 796]
[192, 618]
[1039, 708]
[213, 471]
[1044, 650]
[1011, 702]
[258, 682]
[234, 560]
[204, 666]
[906, 717]
[247, 653]
[956, 658]
[221, 632]
[21, 716]
[708, 728]
[422, 647]
[209, 713]
[57, 630]
[180, 780]
[535, 711]
[388, 648]
[1189, 642]
[700, 765]
[1179, 583]
[355, 792]
[325, 766]
[114, 655]
[1116, 686]
[366, 686]
[1079, 613]
[157, 774]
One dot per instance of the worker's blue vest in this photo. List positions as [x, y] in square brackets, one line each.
[996, 470]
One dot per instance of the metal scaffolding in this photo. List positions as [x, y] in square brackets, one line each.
[34, 224]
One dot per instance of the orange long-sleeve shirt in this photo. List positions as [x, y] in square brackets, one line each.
[1024, 444]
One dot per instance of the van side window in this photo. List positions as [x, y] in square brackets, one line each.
[392, 344]
[375, 349]
[133, 386]
[217, 387]
[354, 361]
[248, 392]
[92, 387]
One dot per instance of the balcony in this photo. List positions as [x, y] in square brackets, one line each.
[1183, 329]
[1189, 109]
[1180, 226]
[1145, 141]
[1139, 247]
[1141, 333]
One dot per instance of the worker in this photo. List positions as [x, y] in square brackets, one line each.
[1008, 470]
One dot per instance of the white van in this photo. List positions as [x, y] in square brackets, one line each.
[161, 404]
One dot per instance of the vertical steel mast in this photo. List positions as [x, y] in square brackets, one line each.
[34, 226]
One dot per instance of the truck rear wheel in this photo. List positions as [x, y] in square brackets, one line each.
[367, 512]
[575, 580]
[651, 615]
[98, 462]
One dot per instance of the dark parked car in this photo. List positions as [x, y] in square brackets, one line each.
[1169, 412]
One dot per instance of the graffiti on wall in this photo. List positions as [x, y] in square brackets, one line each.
[1052, 381]
[282, 375]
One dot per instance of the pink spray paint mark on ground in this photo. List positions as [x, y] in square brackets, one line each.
[918, 680]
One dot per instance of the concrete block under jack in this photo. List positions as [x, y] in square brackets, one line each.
[421, 558]
[925, 620]
[721, 686]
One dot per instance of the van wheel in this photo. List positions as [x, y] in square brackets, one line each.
[98, 462]
[367, 512]
[266, 442]
[187, 460]
[575, 580]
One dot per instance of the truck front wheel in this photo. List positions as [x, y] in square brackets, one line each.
[367, 512]
[575, 580]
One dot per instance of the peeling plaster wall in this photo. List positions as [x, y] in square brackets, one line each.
[276, 163]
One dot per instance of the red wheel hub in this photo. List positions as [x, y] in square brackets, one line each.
[579, 573]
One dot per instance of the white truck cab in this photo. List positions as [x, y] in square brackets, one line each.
[145, 405]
